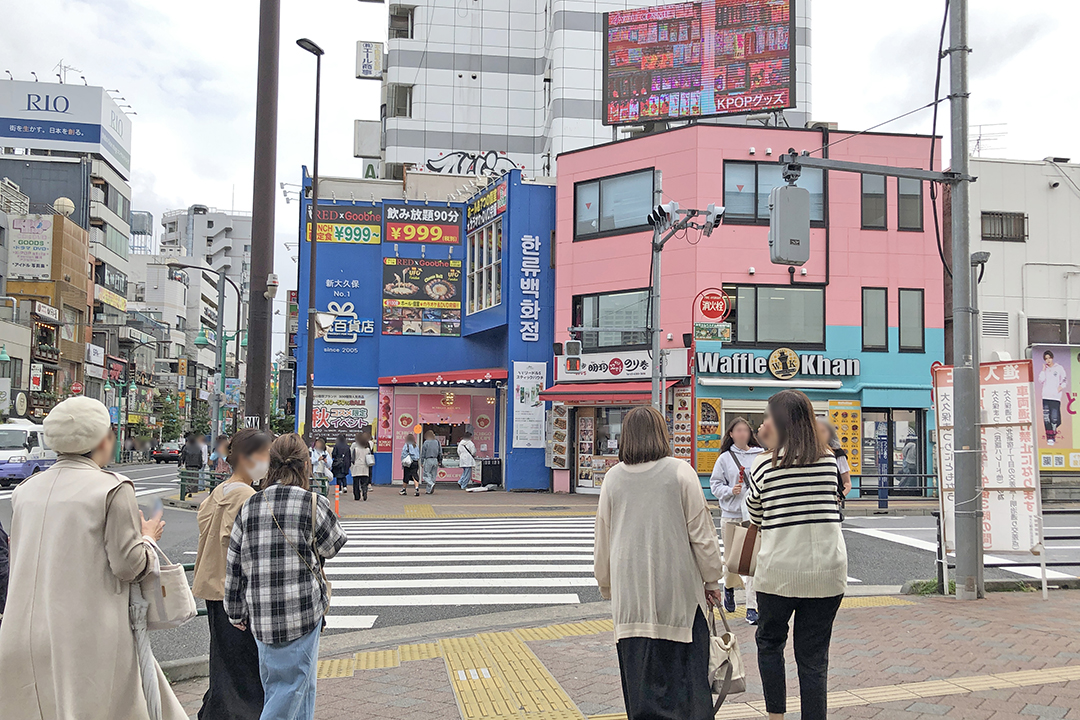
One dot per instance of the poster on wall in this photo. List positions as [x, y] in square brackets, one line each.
[1011, 502]
[340, 410]
[530, 378]
[487, 206]
[421, 297]
[1057, 385]
[709, 434]
[350, 224]
[483, 423]
[417, 223]
[558, 436]
[846, 417]
[585, 440]
[30, 249]
[405, 418]
[682, 428]
[384, 440]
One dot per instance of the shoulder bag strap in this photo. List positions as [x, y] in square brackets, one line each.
[742, 470]
[727, 675]
[317, 573]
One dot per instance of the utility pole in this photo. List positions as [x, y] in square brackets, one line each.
[967, 442]
[262, 213]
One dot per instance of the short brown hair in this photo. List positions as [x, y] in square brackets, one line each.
[246, 442]
[797, 440]
[290, 462]
[644, 436]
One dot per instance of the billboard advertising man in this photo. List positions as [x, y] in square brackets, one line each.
[1057, 386]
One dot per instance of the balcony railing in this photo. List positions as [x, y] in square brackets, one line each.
[46, 352]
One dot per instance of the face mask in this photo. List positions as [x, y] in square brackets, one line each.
[258, 470]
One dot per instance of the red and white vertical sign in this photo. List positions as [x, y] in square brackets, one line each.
[1011, 505]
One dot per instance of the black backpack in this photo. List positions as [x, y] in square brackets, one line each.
[192, 456]
[340, 465]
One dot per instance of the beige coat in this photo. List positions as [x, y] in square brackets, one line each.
[67, 651]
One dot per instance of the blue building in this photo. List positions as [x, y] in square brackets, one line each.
[434, 316]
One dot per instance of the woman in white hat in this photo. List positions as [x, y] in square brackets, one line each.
[66, 646]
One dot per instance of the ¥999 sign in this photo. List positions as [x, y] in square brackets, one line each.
[417, 223]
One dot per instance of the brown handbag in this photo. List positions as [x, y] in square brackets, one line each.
[741, 544]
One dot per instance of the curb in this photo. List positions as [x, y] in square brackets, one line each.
[1020, 584]
[186, 668]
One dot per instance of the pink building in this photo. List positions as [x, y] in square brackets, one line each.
[857, 327]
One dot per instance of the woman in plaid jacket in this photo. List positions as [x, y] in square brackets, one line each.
[279, 541]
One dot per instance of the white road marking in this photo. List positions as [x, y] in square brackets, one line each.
[424, 544]
[478, 599]
[350, 622]
[472, 556]
[503, 582]
[413, 536]
[475, 549]
[339, 571]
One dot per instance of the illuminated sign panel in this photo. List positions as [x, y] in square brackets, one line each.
[717, 57]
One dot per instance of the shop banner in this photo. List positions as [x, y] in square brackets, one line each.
[352, 224]
[1057, 386]
[846, 417]
[489, 205]
[709, 434]
[5, 395]
[36, 371]
[682, 429]
[585, 440]
[626, 365]
[422, 224]
[405, 419]
[30, 248]
[557, 434]
[421, 297]
[444, 408]
[340, 410]
[530, 378]
[384, 439]
[1011, 503]
[483, 424]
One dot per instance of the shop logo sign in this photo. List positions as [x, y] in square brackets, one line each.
[347, 327]
[782, 363]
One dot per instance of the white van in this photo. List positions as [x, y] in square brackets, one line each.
[23, 451]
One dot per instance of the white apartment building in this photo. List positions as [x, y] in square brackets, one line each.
[161, 294]
[484, 86]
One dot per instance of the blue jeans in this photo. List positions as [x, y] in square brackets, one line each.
[466, 477]
[288, 672]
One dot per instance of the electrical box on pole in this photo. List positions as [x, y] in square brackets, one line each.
[789, 225]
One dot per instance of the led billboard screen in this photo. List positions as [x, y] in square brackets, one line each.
[716, 57]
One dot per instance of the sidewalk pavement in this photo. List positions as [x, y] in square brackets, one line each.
[1012, 655]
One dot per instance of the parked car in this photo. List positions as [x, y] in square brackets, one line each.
[166, 452]
[23, 451]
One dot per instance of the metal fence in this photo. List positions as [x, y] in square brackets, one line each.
[194, 481]
[895, 485]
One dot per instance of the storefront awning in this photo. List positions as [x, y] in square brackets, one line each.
[446, 378]
[602, 393]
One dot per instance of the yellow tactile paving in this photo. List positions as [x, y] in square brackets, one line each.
[421, 651]
[376, 659]
[419, 510]
[335, 668]
[842, 698]
[934, 688]
[873, 601]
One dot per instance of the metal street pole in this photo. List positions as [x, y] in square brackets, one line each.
[313, 245]
[264, 190]
[656, 249]
[967, 442]
[219, 346]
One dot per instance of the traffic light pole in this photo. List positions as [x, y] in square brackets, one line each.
[657, 359]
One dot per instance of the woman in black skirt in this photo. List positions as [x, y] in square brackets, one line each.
[236, 690]
[657, 558]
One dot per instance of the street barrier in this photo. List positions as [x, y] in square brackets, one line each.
[193, 481]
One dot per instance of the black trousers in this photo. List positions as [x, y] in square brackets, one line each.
[360, 486]
[1051, 417]
[813, 633]
[236, 690]
[412, 474]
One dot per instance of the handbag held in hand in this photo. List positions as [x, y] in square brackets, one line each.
[741, 544]
[166, 589]
[726, 672]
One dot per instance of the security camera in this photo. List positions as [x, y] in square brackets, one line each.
[1054, 184]
[271, 286]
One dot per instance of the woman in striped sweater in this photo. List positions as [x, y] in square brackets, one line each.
[802, 563]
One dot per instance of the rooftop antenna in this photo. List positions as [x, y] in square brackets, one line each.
[63, 70]
[83, 78]
[10, 76]
[35, 75]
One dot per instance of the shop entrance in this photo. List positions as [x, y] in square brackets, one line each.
[894, 451]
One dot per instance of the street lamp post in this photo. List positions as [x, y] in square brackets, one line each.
[313, 244]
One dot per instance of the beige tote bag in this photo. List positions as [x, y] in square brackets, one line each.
[741, 544]
[166, 589]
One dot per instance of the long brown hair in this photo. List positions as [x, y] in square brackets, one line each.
[290, 462]
[728, 441]
[644, 436]
[797, 440]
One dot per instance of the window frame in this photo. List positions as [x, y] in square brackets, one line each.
[392, 102]
[576, 311]
[409, 13]
[900, 320]
[643, 227]
[1001, 215]
[885, 320]
[488, 272]
[732, 289]
[728, 220]
[884, 198]
[899, 214]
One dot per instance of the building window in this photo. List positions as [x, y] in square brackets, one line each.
[209, 225]
[71, 330]
[399, 100]
[401, 22]
[608, 312]
[912, 320]
[485, 267]
[613, 205]
[110, 278]
[771, 315]
[909, 212]
[115, 240]
[747, 186]
[873, 202]
[12, 369]
[394, 171]
[875, 319]
[1007, 226]
[1052, 332]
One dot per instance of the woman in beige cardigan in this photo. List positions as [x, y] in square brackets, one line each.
[657, 559]
[66, 645]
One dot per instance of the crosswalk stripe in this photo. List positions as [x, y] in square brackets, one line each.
[339, 571]
[416, 600]
[403, 584]
[474, 536]
[457, 549]
[425, 542]
[478, 553]
[350, 622]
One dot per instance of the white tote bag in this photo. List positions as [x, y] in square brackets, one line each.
[166, 589]
[727, 674]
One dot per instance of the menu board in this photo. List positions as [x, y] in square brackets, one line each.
[682, 429]
[421, 297]
[585, 439]
[357, 224]
[417, 223]
[600, 465]
[709, 434]
[558, 436]
[718, 57]
[846, 417]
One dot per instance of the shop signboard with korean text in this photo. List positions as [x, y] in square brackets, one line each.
[1057, 402]
[489, 205]
[30, 247]
[340, 410]
[353, 224]
[421, 297]
[627, 365]
[1011, 503]
[421, 223]
[846, 417]
[529, 307]
[529, 380]
[709, 433]
[698, 59]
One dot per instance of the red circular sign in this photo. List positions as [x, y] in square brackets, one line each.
[615, 366]
[715, 305]
[76, 388]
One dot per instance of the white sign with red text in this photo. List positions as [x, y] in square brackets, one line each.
[627, 365]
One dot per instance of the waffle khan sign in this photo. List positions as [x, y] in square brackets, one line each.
[782, 363]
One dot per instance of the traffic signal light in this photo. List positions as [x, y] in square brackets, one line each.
[664, 215]
[789, 225]
[713, 215]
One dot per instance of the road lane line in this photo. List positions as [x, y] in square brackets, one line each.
[499, 582]
[475, 599]
[344, 571]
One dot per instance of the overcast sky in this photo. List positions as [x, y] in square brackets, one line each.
[188, 69]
